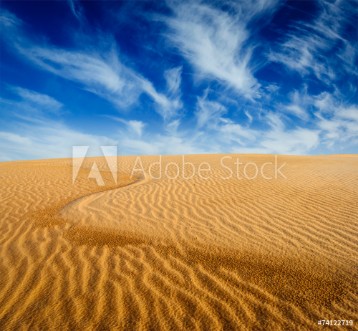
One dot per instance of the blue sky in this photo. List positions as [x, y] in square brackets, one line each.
[174, 77]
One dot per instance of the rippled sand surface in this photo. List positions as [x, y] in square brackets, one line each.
[179, 254]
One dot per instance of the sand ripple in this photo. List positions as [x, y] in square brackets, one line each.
[163, 254]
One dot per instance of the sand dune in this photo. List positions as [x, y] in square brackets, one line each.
[179, 254]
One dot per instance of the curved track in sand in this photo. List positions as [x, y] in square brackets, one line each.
[179, 254]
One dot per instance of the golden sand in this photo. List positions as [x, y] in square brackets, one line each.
[178, 254]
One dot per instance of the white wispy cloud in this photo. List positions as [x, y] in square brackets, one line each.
[76, 9]
[9, 20]
[218, 133]
[99, 71]
[30, 104]
[34, 130]
[161, 144]
[290, 141]
[104, 75]
[38, 99]
[173, 79]
[134, 126]
[311, 47]
[215, 42]
[349, 113]
[298, 105]
[167, 104]
[219, 130]
[173, 126]
[325, 103]
[219, 47]
[340, 126]
[208, 113]
[46, 139]
[277, 139]
[335, 119]
[236, 134]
